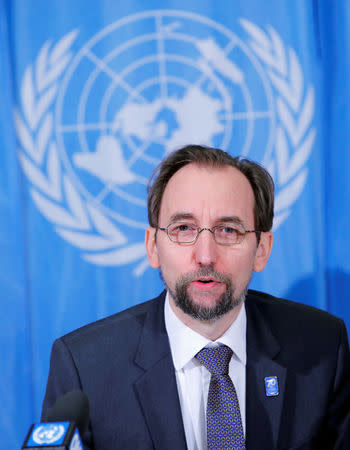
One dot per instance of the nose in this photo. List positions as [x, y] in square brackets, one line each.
[205, 248]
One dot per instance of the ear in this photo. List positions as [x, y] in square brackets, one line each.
[151, 247]
[263, 251]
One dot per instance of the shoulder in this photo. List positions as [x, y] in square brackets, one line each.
[121, 325]
[302, 322]
[289, 309]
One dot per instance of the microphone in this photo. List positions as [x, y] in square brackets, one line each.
[69, 416]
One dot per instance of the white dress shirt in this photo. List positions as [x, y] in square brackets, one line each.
[193, 378]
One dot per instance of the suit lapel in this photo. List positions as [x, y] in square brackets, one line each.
[263, 413]
[157, 389]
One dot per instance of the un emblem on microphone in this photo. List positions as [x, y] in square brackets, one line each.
[94, 122]
[48, 433]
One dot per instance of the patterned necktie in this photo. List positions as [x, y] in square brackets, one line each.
[224, 423]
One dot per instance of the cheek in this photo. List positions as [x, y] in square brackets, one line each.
[175, 261]
[237, 263]
[237, 258]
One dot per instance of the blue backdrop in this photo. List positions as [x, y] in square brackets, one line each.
[94, 94]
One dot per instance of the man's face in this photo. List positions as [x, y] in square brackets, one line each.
[207, 276]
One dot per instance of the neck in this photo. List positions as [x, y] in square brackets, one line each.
[212, 330]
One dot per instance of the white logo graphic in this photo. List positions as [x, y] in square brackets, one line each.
[48, 433]
[271, 382]
[92, 127]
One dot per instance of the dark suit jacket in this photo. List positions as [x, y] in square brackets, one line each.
[124, 365]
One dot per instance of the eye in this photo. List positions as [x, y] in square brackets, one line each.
[228, 233]
[184, 227]
[227, 229]
[182, 232]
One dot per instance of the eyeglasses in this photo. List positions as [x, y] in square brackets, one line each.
[224, 234]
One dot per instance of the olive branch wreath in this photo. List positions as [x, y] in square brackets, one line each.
[82, 224]
[295, 109]
[56, 197]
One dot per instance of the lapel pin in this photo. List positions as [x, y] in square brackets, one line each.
[271, 386]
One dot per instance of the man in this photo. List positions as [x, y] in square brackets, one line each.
[208, 364]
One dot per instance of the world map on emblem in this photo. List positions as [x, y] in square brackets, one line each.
[147, 85]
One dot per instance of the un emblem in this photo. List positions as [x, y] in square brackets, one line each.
[94, 123]
[49, 433]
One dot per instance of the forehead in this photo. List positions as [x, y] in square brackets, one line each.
[208, 193]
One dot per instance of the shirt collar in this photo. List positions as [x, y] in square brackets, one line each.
[185, 343]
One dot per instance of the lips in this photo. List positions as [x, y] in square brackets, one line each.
[206, 280]
[205, 283]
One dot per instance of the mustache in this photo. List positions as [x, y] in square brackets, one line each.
[206, 271]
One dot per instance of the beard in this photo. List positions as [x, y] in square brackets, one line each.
[223, 304]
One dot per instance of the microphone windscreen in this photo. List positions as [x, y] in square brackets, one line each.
[71, 407]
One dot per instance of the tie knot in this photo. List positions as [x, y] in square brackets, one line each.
[215, 359]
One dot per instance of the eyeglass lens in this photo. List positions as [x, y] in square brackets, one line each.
[182, 232]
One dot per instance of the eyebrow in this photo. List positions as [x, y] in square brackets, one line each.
[233, 219]
[180, 216]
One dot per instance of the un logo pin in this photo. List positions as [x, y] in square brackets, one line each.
[271, 386]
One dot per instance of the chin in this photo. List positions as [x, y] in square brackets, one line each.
[207, 311]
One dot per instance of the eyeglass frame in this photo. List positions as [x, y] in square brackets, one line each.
[211, 230]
